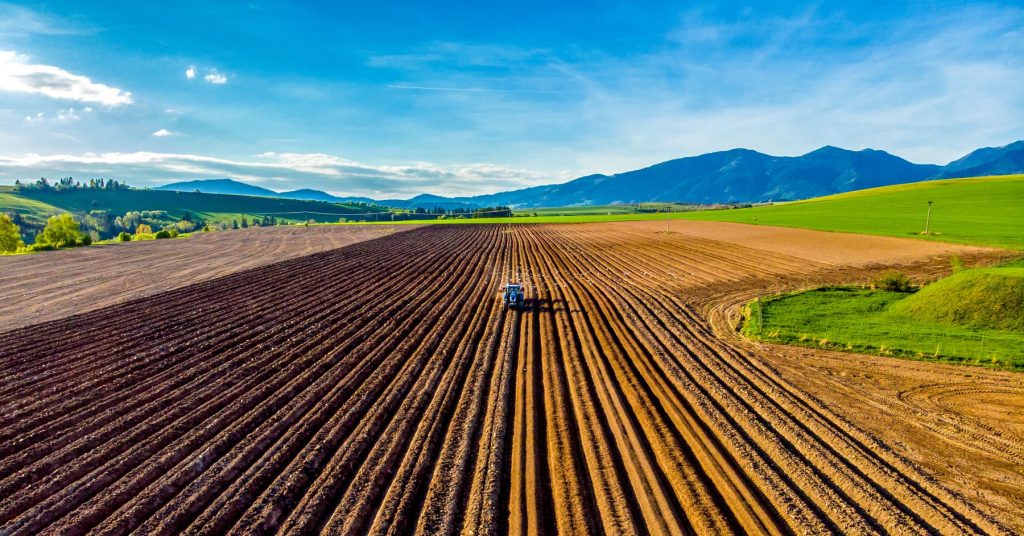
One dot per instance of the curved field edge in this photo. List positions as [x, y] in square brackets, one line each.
[969, 317]
[859, 321]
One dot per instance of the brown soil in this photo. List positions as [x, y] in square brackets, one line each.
[382, 388]
[56, 284]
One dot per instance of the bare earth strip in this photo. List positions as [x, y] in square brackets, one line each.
[382, 388]
[50, 285]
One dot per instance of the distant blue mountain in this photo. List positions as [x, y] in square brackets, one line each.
[1004, 160]
[218, 186]
[737, 175]
[734, 176]
[317, 195]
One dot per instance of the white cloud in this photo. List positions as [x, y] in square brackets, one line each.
[284, 171]
[215, 78]
[190, 73]
[163, 133]
[17, 75]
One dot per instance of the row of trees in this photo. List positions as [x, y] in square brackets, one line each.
[68, 183]
[482, 212]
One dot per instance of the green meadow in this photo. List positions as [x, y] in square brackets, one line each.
[982, 211]
[973, 316]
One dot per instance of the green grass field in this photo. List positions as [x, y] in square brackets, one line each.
[980, 211]
[28, 208]
[974, 316]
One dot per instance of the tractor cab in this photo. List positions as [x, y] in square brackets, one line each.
[513, 295]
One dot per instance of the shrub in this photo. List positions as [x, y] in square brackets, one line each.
[60, 231]
[894, 281]
[87, 240]
[124, 237]
[143, 229]
[162, 234]
[10, 235]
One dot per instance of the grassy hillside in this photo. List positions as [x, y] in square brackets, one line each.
[974, 316]
[28, 208]
[985, 298]
[207, 206]
[981, 210]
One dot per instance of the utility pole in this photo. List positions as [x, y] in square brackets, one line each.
[928, 219]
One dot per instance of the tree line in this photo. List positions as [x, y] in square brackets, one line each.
[68, 183]
[479, 212]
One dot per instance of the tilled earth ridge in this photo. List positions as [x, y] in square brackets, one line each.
[383, 388]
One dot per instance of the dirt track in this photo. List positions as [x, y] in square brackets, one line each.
[382, 388]
[55, 284]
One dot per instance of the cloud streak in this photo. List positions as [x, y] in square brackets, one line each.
[19, 76]
[18, 20]
[466, 89]
[215, 78]
[279, 171]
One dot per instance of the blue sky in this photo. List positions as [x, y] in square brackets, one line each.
[396, 99]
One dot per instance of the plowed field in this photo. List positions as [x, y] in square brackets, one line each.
[55, 284]
[382, 388]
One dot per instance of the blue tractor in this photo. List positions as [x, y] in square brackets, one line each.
[514, 296]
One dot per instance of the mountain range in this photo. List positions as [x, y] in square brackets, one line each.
[733, 176]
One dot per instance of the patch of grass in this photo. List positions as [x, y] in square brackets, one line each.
[980, 211]
[870, 321]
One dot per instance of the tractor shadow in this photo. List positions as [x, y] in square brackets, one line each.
[546, 305]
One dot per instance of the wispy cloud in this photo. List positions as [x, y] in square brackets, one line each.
[216, 78]
[162, 133]
[281, 171]
[212, 76]
[466, 89]
[66, 114]
[782, 83]
[20, 20]
[18, 75]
